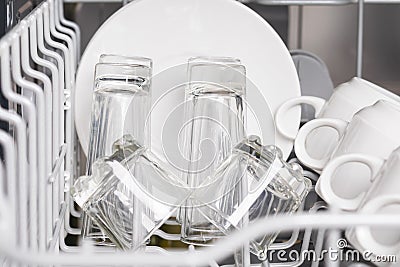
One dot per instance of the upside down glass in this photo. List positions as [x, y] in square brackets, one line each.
[193, 61]
[215, 122]
[121, 103]
[130, 60]
[130, 194]
[272, 187]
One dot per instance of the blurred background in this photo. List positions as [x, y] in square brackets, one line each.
[330, 32]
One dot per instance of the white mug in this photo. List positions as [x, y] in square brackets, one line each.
[377, 241]
[373, 131]
[383, 179]
[347, 99]
[333, 195]
[382, 197]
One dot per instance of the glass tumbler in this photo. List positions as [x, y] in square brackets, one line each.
[121, 104]
[121, 59]
[193, 61]
[252, 183]
[214, 123]
[213, 60]
[130, 194]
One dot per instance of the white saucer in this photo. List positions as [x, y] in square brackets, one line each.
[170, 32]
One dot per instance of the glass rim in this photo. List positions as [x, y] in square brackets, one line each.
[232, 65]
[125, 56]
[236, 68]
[99, 64]
[215, 59]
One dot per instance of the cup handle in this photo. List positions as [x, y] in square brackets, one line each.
[324, 184]
[363, 233]
[300, 142]
[316, 102]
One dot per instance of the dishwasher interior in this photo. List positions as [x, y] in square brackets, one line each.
[44, 42]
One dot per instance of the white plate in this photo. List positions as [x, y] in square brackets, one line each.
[170, 32]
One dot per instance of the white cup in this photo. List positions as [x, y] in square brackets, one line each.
[333, 195]
[373, 131]
[347, 99]
[377, 241]
[383, 197]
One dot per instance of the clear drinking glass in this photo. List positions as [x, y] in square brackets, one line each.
[214, 123]
[213, 60]
[130, 194]
[193, 61]
[252, 183]
[121, 105]
[130, 60]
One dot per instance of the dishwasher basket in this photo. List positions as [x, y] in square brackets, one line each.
[38, 218]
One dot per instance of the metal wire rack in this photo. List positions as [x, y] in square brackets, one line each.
[39, 57]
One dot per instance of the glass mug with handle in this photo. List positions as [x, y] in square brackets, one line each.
[372, 131]
[346, 100]
[129, 194]
[121, 103]
[215, 122]
[254, 182]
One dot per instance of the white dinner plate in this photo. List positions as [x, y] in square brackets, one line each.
[170, 32]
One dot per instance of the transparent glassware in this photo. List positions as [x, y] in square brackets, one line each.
[130, 194]
[214, 124]
[130, 60]
[193, 61]
[252, 183]
[213, 60]
[121, 105]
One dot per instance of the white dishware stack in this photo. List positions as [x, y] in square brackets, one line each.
[195, 154]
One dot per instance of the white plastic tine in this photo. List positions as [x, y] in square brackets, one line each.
[35, 117]
[22, 147]
[60, 68]
[72, 25]
[60, 35]
[25, 60]
[55, 83]
[6, 227]
[59, 105]
[61, 28]
[48, 159]
[219, 251]
[42, 39]
[69, 128]
[44, 22]
[3, 179]
[44, 36]
[48, 32]
[7, 143]
[68, 82]
[56, 110]
[20, 196]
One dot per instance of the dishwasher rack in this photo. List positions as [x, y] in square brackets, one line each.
[39, 58]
